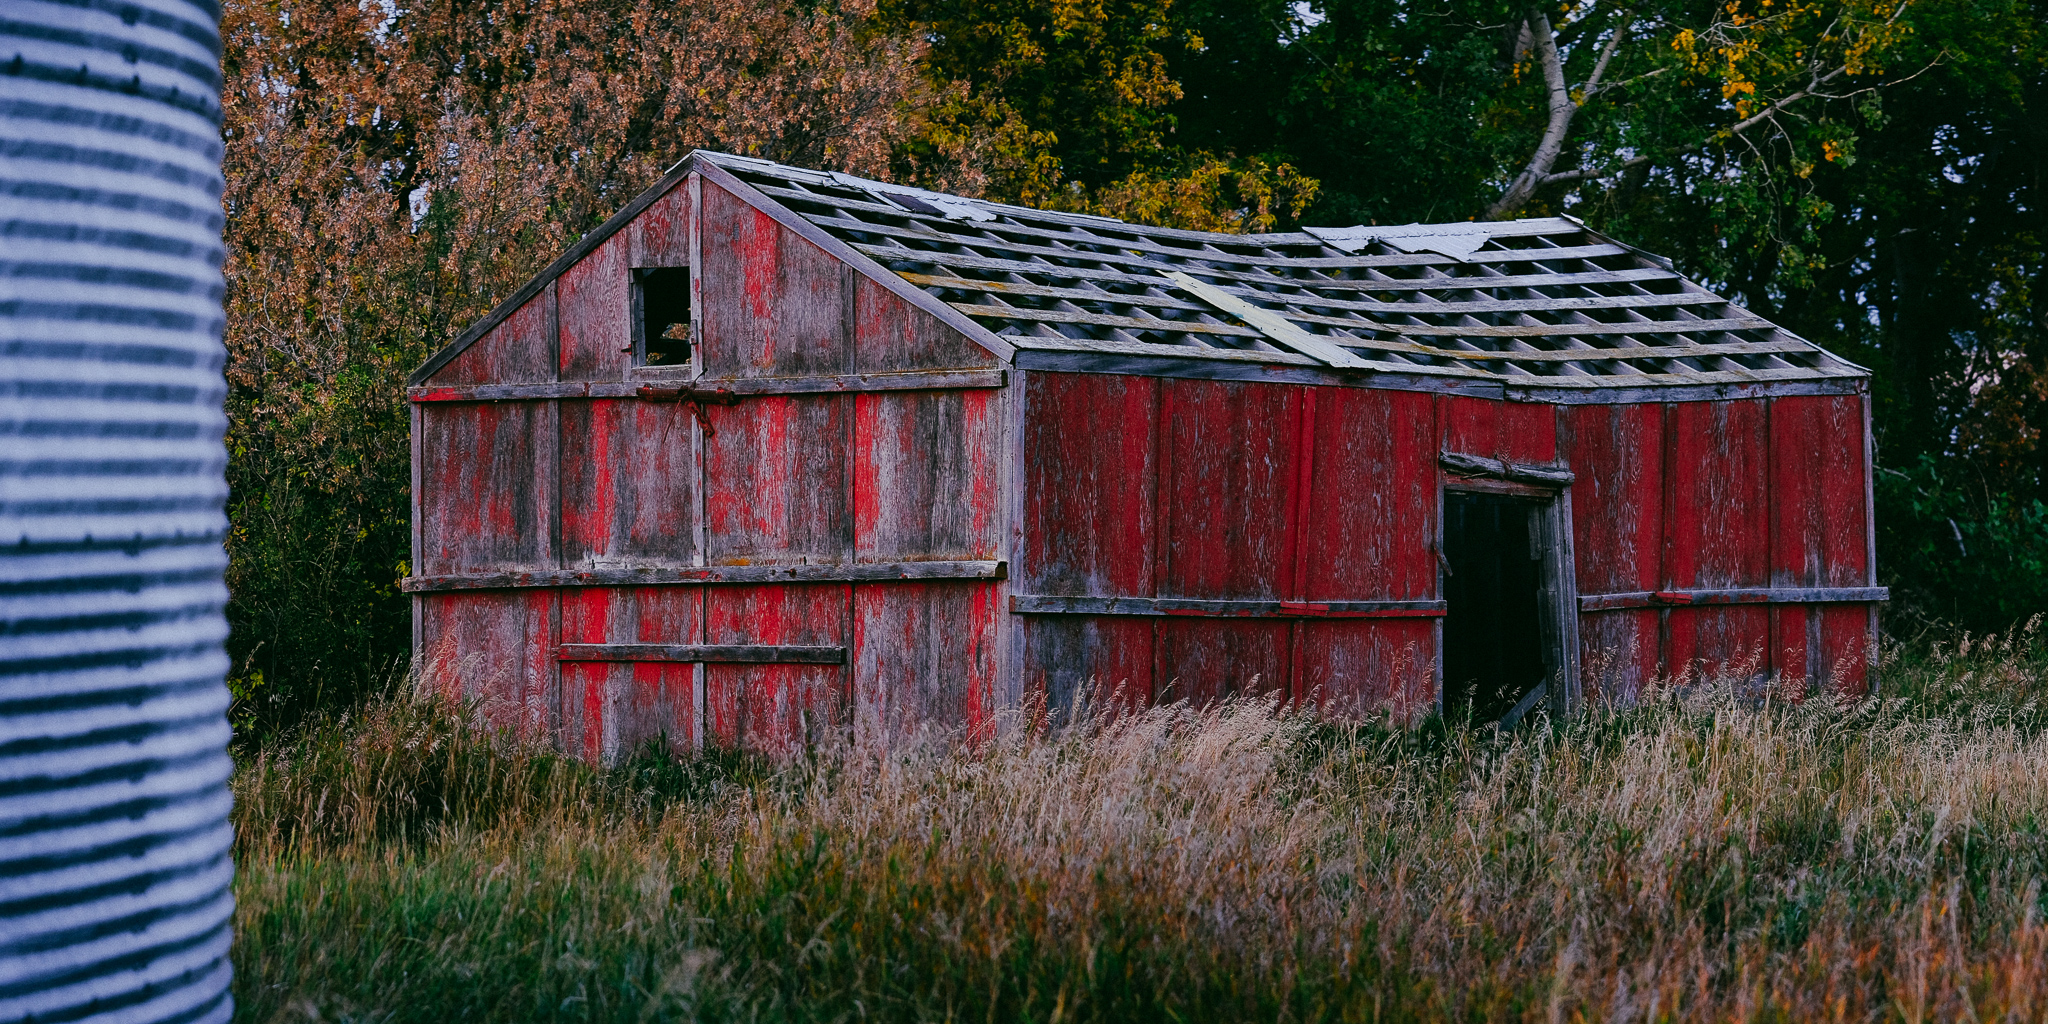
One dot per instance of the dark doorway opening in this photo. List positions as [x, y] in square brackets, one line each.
[1497, 648]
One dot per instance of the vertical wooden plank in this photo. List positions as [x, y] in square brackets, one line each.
[1516, 431]
[627, 476]
[695, 184]
[1846, 639]
[1204, 661]
[1371, 525]
[772, 303]
[1819, 514]
[1718, 533]
[1528, 432]
[594, 310]
[774, 709]
[1231, 485]
[1361, 668]
[492, 647]
[591, 689]
[924, 659]
[414, 491]
[1009, 467]
[1617, 455]
[1871, 634]
[1100, 662]
[775, 481]
[487, 496]
[892, 335]
[611, 710]
[926, 477]
[1817, 499]
[661, 234]
[1089, 481]
[659, 704]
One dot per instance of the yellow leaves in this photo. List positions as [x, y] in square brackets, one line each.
[1833, 150]
[1216, 195]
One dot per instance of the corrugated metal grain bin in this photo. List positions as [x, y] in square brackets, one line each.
[777, 450]
[114, 836]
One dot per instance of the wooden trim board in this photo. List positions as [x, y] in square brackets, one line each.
[745, 654]
[662, 575]
[1058, 604]
[1755, 595]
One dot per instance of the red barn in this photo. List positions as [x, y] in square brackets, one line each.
[774, 452]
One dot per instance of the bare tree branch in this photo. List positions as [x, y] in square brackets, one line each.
[1552, 144]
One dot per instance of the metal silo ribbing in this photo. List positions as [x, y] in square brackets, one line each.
[114, 838]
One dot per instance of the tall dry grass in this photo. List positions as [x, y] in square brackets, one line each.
[1705, 855]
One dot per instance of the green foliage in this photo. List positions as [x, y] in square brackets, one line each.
[1961, 551]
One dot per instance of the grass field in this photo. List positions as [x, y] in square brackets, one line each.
[1706, 855]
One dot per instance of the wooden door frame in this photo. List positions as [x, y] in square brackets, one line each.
[1559, 597]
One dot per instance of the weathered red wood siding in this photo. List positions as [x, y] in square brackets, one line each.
[496, 648]
[1263, 503]
[776, 708]
[862, 477]
[1818, 523]
[615, 708]
[1617, 453]
[1284, 495]
[1755, 493]
[489, 487]
[519, 351]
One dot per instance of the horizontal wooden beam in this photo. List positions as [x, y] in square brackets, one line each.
[1461, 464]
[662, 575]
[945, 380]
[925, 380]
[746, 654]
[1057, 604]
[1747, 595]
[522, 392]
[1080, 356]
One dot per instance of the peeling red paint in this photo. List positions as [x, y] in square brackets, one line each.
[1311, 497]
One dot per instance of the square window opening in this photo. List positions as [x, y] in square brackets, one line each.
[661, 321]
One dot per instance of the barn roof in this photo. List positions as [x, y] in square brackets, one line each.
[1544, 301]
[1543, 304]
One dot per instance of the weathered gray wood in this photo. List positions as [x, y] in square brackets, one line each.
[659, 575]
[1751, 595]
[1461, 307]
[1085, 356]
[1276, 367]
[1058, 604]
[521, 392]
[1561, 587]
[744, 653]
[1071, 316]
[1106, 231]
[1273, 325]
[1211, 256]
[641, 376]
[1116, 346]
[1210, 262]
[1559, 394]
[1271, 355]
[1463, 464]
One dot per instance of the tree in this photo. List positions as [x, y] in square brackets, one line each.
[1064, 104]
[393, 170]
